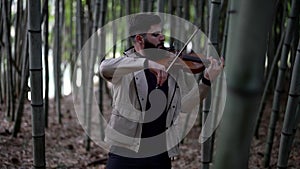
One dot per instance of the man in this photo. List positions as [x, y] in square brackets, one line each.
[143, 128]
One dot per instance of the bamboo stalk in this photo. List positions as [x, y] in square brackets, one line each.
[289, 123]
[79, 44]
[268, 82]
[244, 81]
[102, 53]
[1, 92]
[207, 146]
[79, 31]
[225, 33]
[207, 16]
[7, 41]
[72, 48]
[186, 8]
[1, 56]
[280, 80]
[127, 12]
[179, 8]
[24, 82]
[17, 46]
[92, 59]
[171, 11]
[160, 5]
[297, 119]
[36, 83]
[198, 12]
[57, 58]
[46, 50]
[144, 5]
[150, 5]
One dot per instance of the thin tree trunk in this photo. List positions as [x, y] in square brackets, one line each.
[24, 82]
[71, 62]
[88, 19]
[127, 12]
[279, 29]
[126, 44]
[271, 42]
[1, 92]
[36, 83]
[114, 35]
[144, 5]
[17, 45]
[280, 79]
[46, 49]
[1, 59]
[1, 55]
[290, 123]
[207, 146]
[102, 53]
[4, 74]
[171, 11]
[197, 6]
[178, 32]
[267, 85]
[92, 59]
[61, 47]
[57, 55]
[78, 42]
[294, 44]
[79, 31]
[186, 8]
[9, 86]
[198, 12]
[83, 87]
[179, 11]
[206, 17]
[214, 24]
[73, 50]
[225, 33]
[160, 5]
[243, 93]
[197, 21]
[150, 5]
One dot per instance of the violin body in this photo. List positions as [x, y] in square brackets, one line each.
[192, 62]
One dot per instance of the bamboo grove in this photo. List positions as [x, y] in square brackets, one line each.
[258, 39]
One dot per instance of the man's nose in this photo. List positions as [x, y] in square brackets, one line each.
[162, 37]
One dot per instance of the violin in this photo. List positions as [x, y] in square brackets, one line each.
[192, 62]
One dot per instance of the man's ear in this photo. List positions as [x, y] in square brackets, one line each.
[139, 39]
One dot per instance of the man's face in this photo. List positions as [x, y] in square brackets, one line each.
[154, 37]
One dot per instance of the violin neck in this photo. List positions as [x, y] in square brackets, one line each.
[195, 59]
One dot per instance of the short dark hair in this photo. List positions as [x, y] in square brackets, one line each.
[141, 23]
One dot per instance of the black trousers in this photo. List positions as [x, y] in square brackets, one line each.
[161, 161]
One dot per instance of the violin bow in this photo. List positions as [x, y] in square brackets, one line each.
[182, 49]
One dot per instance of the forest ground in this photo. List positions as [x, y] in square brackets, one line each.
[65, 143]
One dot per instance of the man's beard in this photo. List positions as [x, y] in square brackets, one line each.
[148, 44]
[152, 51]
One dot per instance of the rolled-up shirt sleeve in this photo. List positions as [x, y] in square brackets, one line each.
[113, 69]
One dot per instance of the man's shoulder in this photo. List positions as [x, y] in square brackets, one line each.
[129, 52]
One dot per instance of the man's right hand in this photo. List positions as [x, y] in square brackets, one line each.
[159, 71]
